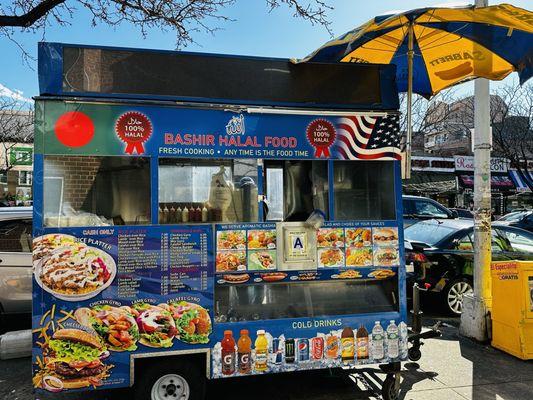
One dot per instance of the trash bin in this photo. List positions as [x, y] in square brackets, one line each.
[512, 307]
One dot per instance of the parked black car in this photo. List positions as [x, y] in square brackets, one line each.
[417, 208]
[442, 253]
[463, 213]
[519, 219]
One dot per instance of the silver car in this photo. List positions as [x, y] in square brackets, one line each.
[15, 260]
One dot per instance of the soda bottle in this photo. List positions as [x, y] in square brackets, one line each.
[402, 327]
[393, 347]
[332, 347]
[347, 344]
[378, 350]
[261, 351]
[244, 352]
[228, 353]
[362, 343]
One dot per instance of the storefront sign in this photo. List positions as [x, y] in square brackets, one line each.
[466, 163]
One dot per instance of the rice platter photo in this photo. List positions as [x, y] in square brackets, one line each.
[76, 272]
[44, 245]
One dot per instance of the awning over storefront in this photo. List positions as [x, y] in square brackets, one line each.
[430, 183]
[497, 182]
[520, 181]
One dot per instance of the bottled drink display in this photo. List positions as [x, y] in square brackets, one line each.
[228, 353]
[261, 351]
[362, 343]
[392, 340]
[378, 339]
[347, 344]
[332, 347]
[244, 352]
[289, 351]
[303, 350]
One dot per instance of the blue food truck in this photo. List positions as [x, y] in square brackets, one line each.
[203, 216]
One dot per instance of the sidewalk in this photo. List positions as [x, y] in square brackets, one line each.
[455, 368]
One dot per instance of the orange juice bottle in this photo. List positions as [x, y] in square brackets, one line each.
[244, 353]
[261, 351]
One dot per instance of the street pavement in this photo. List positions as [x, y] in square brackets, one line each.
[451, 368]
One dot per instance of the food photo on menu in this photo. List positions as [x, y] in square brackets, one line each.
[231, 240]
[359, 256]
[385, 236]
[261, 260]
[358, 237]
[230, 261]
[261, 239]
[386, 257]
[330, 237]
[69, 269]
[330, 258]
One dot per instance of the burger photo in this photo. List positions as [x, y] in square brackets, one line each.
[73, 360]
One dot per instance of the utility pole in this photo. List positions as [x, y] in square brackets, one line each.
[474, 318]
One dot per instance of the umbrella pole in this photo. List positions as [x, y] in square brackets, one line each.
[410, 55]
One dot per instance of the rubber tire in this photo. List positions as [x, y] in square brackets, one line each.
[414, 354]
[388, 390]
[445, 292]
[149, 373]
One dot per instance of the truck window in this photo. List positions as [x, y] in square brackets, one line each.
[364, 190]
[15, 236]
[96, 191]
[295, 188]
[207, 190]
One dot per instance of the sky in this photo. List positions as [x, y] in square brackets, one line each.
[254, 31]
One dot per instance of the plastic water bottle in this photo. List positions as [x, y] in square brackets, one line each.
[393, 347]
[378, 342]
[402, 327]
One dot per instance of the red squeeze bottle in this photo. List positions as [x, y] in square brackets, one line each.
[228, 353]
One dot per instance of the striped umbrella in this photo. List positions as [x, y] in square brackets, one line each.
[435, 48]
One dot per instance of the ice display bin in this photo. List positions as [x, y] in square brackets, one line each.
[512, 308]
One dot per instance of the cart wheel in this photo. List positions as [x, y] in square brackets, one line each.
[391, 387]
[170, 380]
[414, 354]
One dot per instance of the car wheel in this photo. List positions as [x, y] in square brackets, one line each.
[453, 295]
[169, 380]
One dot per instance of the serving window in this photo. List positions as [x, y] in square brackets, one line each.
[96, 191]
[207, 191]
[364, 190]
[304, 299]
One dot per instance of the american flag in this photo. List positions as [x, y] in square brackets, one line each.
[368, 138]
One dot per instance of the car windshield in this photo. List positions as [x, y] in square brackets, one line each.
[428, 232]
[514, 216]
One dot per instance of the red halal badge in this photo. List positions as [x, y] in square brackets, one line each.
[74, 129]
[321, 134]
[133, 128]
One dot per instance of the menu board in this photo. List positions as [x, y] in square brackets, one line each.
[249, 253]
[113, 291]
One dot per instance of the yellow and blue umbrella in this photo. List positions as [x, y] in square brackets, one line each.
[446, 45]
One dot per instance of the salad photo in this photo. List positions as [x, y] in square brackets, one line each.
[264, 239]
[44, 245]
[193, 322]
[330, 258]
[116, 326]
[156, 325]
[75, 272]
[261, 260]
[230, 261]
[231, 240]
[72, 359]
[358, 237]
[330, 237]
[358, 256]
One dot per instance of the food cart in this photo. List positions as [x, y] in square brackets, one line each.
[203, 216]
